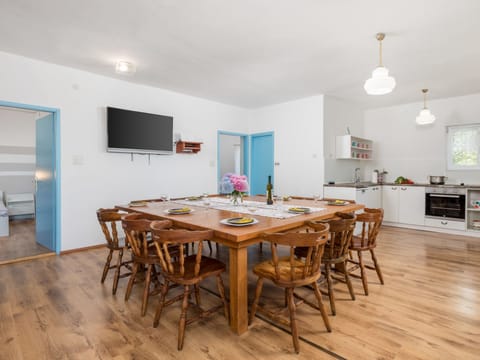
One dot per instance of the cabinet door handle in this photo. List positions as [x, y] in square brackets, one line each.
[444, 222]
[394, 188]
[403, 188]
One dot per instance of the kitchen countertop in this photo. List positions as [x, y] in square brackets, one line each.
[365, 184]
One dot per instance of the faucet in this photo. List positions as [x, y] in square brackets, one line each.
[356, 177]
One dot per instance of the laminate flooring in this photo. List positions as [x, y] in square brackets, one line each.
[429, 308]
[21, 242]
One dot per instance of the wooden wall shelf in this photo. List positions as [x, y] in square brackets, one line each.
[188, 147]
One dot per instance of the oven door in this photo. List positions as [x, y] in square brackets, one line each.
[445, 205]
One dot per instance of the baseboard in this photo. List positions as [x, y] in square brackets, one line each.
[93, 247]
[26, 258]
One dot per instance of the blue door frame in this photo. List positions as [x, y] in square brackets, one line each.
[56, 130]
[246, 152]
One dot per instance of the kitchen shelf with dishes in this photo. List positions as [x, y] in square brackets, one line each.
[353, 148]
[473, 209]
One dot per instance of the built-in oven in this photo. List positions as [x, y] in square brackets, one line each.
[445, 203]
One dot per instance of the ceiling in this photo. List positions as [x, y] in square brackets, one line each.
[253, 53]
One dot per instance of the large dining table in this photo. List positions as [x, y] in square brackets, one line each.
[238, 238]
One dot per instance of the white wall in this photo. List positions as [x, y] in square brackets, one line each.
[298, 144]
[104, 179]
[405, 149]
[338, 115]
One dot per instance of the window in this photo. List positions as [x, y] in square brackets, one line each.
[463, 147]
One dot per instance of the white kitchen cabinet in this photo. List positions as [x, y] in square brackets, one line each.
[352, 147]
[390, 203]
[412, 205]
[404, 204]
[338, 192]
[446, 224]
[370, 196]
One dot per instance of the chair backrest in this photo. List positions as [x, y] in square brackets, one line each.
[108, 219]
[371, 219]
[341, 232]
[137, 230]
[171, 248]
[302, 270]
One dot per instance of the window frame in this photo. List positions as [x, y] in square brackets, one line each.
[450, 165]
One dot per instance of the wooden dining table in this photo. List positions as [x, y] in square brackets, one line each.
[237, 239]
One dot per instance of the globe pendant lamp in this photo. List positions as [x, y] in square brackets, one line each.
[425, 117]
[380, 83]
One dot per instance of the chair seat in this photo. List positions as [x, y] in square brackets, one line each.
[356, 244]
[208, 267]
[266, 269]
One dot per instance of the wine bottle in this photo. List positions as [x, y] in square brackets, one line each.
[269, 191]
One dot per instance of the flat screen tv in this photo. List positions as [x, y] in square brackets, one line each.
[138, 132]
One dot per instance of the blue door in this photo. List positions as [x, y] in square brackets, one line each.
[45, 182]
[261, 162]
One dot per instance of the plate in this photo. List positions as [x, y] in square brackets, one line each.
[338, 203]
[299, 210]
[193, 198]
[179, 211]
[137, 203]
[239, 221]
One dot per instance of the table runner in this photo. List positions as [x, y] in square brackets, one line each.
[248, 207]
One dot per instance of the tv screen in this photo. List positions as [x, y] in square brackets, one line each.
[139, 132]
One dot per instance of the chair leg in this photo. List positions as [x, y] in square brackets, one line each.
[349, 283]
[316, 290]
[117, 272]
[161, 303]
[331, 295]
[377, 266]
[146, 289]
[209, 243]
[183, 318]
[285, 295]
[221, 290]
[131, 281]
[363, 272]
[293, 320]
[258, 292]
[106, 267]
[197, 294]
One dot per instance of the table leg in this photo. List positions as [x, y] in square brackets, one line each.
[238, 290]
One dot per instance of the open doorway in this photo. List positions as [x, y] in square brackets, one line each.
[232, 154]
[28, 181]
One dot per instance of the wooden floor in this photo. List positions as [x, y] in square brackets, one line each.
[429, 308]
[21, 242]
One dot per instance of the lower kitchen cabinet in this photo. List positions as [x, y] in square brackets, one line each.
[370, 196]
[445, 224]
[404, 204]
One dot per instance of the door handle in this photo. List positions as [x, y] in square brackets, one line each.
[444, 222]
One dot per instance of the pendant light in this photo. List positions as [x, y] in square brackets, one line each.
[425, 117]
[380, 83]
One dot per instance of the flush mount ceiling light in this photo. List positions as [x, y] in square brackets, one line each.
[380, 83]
[425, 117]
[124, 67]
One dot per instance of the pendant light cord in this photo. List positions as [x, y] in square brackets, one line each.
[380, 49]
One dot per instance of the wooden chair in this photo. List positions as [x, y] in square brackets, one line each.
[108, 219]
[291, 272]
[336, 251]
[371, 220]
[137, 230]
[186, 271]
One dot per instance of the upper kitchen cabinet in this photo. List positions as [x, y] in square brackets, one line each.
[352, 147]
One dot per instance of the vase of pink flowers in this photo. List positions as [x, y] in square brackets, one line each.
[234, 185]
